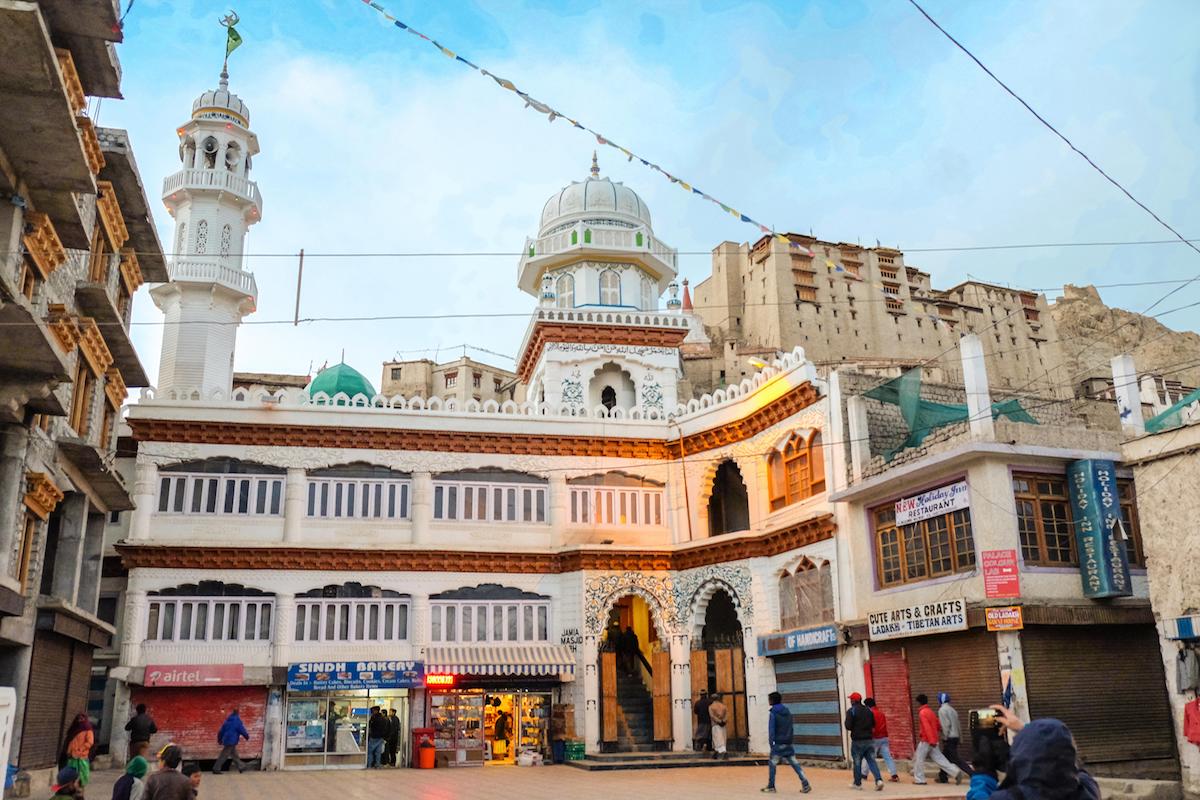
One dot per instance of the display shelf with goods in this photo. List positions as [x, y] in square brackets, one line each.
[535, 712]
[457, 720]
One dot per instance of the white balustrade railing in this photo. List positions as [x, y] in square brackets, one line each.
[358, 498]
[489, 621]
[616, 505]
[584, 234]
[221, 179]
[380, 619]
[209, 269]
[489, 502]
[204, 493]
[210, 619]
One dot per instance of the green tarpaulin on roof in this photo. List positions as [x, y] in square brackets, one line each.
[1173, 416]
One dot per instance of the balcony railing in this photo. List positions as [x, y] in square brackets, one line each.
[604, 505]
[352, 620]
[361, 498]
[205, 270]
[210, 619]
[489, 502]
[216, 179]
[489, 621]
[203, 493]
[584, 235]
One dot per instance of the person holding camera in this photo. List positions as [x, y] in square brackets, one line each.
[1042, 763]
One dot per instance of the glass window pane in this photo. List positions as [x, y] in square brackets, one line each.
[164, 494]
[343, 622]
[168, 623]
[402, 621]
[185, 621]
[152, 619]
[451, 624]
[276, 496]
[468, 620]
[435, 627]
[301, 616]
[528, 626]
[543, 614]
[235, 622]
[497, 623]
[264, 622]
[202, 620]
[512, 624]
[210, 505]
[218, 627]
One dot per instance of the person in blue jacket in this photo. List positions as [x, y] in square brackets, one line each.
[232, 731]
[779, 734]
[1042, 765]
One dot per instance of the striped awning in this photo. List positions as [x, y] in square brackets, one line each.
[548, 659]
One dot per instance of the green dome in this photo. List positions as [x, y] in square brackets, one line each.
[341, 378]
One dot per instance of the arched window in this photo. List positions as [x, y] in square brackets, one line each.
[608, 397]
[728, 506]
[564, 288]
[649, 302]
[610, 288]
[806, 595]
[798, 471]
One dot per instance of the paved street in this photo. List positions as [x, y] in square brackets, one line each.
[507, 783]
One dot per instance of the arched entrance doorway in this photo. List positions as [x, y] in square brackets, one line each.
[719, 667]
[635, 679]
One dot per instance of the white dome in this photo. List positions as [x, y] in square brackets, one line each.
[594, 198]
[221, 99]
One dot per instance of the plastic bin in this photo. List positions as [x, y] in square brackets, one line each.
[558, 751]
[418, 752]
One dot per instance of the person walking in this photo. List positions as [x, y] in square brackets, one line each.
[779, 735]
[77, 749]
[141, 727]
[927, 746]
[231, 732]
[393, 739]
[377, 732]
[861, 724]
[951, 735]
[168, 783]
[66, 785]
[131, 785]
[633, 649]
[718, 717]
[879, 739]
[702, 736]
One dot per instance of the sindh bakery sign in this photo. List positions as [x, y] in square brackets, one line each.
[947, 615]
[932, 504]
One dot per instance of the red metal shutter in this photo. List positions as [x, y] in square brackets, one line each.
[889, 682]
[190, 717]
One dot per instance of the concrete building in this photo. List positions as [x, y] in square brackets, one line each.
[1166, 473]
[76, 242]
[1000, 557]
[863, 307]
[462, 380]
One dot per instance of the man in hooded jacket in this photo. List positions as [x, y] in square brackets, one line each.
[1043, 765]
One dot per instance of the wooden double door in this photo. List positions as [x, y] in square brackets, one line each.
[723, 670]
[660, 697]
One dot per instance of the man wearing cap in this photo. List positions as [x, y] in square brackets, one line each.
[168, 783]
[66, 785]
[951, 735]
[861, 724]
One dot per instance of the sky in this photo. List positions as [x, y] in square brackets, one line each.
[855, 121]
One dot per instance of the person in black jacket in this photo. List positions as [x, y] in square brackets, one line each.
[861, 724]
[140, 728]
[393, 739]
[377, 733]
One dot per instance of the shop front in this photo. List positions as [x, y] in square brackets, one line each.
[190, 701]
[329, 706]
[488, 705]
[806, 674]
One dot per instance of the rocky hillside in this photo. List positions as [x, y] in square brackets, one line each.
[1086, 329]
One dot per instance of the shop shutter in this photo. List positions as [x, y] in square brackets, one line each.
[49, 677]
[662, 695]
[809, 685]
[1106, 683]
[889, 682]
[964, 664]
[190, 717]
[79, 683]
[608, 696]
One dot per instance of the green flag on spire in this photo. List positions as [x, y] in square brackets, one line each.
[233, 41]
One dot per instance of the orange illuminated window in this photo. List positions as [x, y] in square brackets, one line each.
[798, 471]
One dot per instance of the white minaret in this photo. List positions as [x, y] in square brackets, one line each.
[214, 203]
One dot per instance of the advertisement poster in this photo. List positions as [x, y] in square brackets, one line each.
[1004, 618]
[949, 615]
[1001, 578]
[932, 504]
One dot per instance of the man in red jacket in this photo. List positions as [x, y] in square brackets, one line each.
[927, 747]
[880, 739]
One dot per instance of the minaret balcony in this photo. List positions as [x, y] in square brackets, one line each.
[198, 269]
[214, 180]
[583, 239]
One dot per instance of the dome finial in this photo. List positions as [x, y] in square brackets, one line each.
[595, 165]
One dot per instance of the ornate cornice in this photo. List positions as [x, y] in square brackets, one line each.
[91, 344]
[110, 215]
[544, 332]
[114, 387]
[43, 244]
[41, 495]
[131, 271]
[176, 556]
[70, 79]
[91, 144]
[772, 413]
[63, 326]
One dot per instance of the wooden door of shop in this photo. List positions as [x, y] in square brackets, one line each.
[723, 669]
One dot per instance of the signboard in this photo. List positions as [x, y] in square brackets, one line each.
[1004, 618]
[1099, 535]
[572, 638]
[439, 679]
[948, 615]
[313, 676]
[1001, 577]
[932, 504]
[194, 675]
[798, 641]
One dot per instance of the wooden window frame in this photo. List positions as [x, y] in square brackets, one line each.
[887, 536]
[25, 557]
[81, 401]
[1127, 493]
[799, 453]
[98, 260]
[1037, 497]
[29, 278]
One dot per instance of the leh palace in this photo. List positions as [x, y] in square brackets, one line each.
[305, 548]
